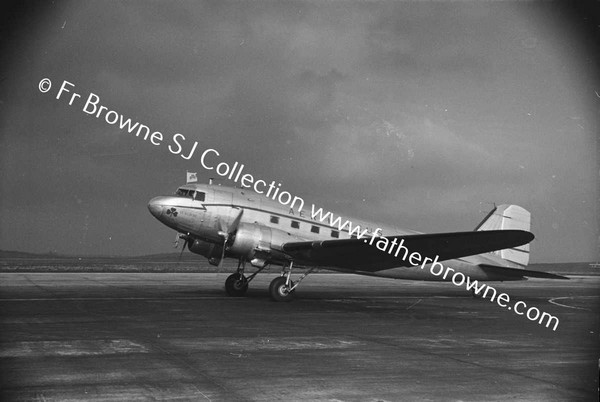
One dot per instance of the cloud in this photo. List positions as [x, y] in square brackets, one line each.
[408, 112]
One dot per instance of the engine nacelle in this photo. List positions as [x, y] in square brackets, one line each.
[253, 242]
[211, 251]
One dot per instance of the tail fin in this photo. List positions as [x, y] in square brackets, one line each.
[505, 217]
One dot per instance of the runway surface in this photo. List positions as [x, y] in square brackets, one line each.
[137, 337]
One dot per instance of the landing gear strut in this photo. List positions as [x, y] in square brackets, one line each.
[282, 288]
[236, 284]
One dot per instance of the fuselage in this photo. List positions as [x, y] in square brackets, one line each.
[202, 213]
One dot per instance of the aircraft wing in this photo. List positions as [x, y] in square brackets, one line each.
[357, 254]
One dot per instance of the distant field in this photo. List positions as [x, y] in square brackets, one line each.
[188, 263]
[107, 265]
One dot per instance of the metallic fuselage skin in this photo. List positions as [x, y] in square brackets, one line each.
[265, 225]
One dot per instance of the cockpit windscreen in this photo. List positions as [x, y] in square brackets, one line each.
[193, 194]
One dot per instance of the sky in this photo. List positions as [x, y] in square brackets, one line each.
[418, 114]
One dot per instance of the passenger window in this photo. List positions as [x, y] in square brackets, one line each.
[274, 219]
[314, 229]
[335, 233]
[296, 224]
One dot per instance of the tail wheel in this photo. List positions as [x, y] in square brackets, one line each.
[279, 291]
[236, 285]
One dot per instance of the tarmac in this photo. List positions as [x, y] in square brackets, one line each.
[177, 336]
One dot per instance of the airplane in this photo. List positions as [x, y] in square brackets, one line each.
[220, 222]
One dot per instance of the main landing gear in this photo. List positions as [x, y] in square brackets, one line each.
[236, 284]
[281, 288]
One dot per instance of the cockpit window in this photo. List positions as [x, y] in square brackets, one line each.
[193, 194]
[184, 192]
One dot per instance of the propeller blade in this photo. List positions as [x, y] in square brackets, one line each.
[229, 231]
[185, 242]
[236, 222]
[227, 235]
[220, 265]
[186, 239]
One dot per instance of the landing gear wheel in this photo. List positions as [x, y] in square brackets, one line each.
[236, 285]
[279, 291]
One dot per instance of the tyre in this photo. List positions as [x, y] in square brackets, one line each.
[236, 285]
[279, 291]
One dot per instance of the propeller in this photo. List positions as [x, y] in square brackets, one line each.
[227, 235]
[185, 238]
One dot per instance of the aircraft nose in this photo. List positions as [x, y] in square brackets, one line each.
[155, 207]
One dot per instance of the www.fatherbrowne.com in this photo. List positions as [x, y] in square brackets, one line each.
[112, 117]
[393, 247]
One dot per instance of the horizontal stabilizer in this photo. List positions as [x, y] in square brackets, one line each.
[518, 273]
[382, 254]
